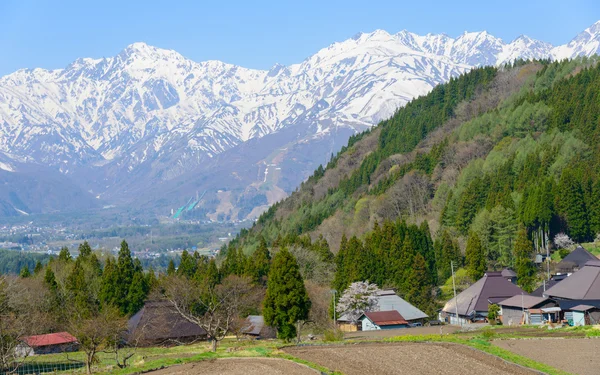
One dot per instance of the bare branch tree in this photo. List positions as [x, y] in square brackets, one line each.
[214, 309]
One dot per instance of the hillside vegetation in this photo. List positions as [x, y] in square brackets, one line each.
[497, 161]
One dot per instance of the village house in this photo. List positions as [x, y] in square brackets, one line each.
[375, 320]
[159, 323]
[526, 309]
[575, 260]
[60, 342]
[472, 303]
[387, 300]
[255, 327]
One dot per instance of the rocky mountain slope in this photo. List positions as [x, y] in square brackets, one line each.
[146, 127]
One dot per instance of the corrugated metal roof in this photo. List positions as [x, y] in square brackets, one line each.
[58, 338]
[523, 301]
[254, 324]
[581, 285]
[491, 287]
[387, 300]
[582, 308]
[386, 318]
[576, 258]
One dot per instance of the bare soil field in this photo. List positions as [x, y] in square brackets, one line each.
[406, 358]
[239, 366]
[380, 333]
[576, 356]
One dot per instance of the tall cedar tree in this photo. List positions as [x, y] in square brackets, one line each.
[418, 286]
[64, 255]
[171, 267]
[286, 301]
[38, 268]
[85, 250]
[261, 262]
[475, 258]
[449, 252]
[524, 266]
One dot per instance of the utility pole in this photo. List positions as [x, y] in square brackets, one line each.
[455, 298]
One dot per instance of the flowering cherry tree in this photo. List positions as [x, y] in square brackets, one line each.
[562, 241]
[360, 297]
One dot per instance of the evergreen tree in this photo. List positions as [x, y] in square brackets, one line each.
[171, 267]
[138, 291]
[108, 285]
[77, 289]
[418, 285]
[524, 266]
[85, 250]
[125, 271]
[38, 268]
[187, 266]
[50, 280]
[260, 261]
[24, 272]
[475, 257]
[286, 301]
[64, 255]
[571, 202]
[449, 252]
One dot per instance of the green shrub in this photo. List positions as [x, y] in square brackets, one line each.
[332, 335]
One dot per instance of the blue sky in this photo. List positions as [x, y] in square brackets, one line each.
[259, 33]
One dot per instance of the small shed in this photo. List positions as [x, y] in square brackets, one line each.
[255, 327]
[585, 315]
[60, 342]
[526, 309]
[376, 320]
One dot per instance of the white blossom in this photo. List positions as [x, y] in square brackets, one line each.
[562, 241]
[360, 297]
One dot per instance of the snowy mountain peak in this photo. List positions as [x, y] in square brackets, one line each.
[152, 112]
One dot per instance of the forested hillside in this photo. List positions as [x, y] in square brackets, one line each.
[484, 171]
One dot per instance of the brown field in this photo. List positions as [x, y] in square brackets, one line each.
[576, 356]
[239, 366]
[381, 333]
[406, 358]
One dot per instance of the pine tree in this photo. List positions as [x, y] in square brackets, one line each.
[475, 257]
[108, 284]
[125, 271]
[286, 301]
[449, 252]
[77, 288]
[524, 266]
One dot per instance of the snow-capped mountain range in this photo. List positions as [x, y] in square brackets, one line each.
[152, 113]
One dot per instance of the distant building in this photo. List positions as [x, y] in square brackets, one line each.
[255, 327]
[60, 342]
[525, 309]
[474, 301]
[375, 320]
[575, 260]
[159, 323]
[387, 300]
[584, 284]
[555, 279]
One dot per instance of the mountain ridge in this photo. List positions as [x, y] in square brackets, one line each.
[159, 115]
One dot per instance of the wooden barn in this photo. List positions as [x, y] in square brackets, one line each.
[60, 342]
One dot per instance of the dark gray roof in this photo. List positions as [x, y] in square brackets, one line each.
[507, 272]
[583, 308]
[492, 287]
[575, 259]
[523, 301]
[159, 321]
[255, 326]
[581, 285]
[539, 292]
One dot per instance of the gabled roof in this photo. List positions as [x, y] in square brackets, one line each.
[507, 272]
[253, 325]
[159, 321]
[385, 318]
[581, 285]
[523, 300]
[583, 308]
[58, 338]
[387, 300]
[576, 259]
[539, 292]
[491, 288]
